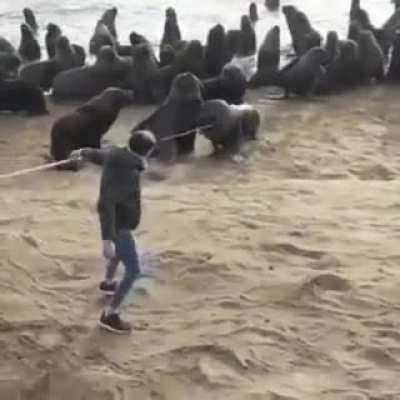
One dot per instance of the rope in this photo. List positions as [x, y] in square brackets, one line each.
[178, 135]
[62, 162]
[34, 169]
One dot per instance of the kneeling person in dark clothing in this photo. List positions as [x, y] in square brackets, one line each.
[119, 209]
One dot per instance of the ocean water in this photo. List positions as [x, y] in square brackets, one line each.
[78, 18]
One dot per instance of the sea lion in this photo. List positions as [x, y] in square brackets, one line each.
[372, 59]
[42, 73]
[190, 59]
[88, 81]
[140, 78]
[349, 63]
[53, 32]
[101, 37]
[16, 95]
[108, 19]
[30, 19]
[9, 64]
[6, 46]
[302, 75]
[29, 48]
[85, 126]
[248, 39]
[216, 53]
[308, 36]
[179, 113]
[394, 66]
[253, 12]
[231, 124]
[290, 15]
[233, 42]
[268, 59]
[172, 33]
[230, 86]
[272, 5]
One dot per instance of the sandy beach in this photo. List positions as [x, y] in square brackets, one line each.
[273, 279]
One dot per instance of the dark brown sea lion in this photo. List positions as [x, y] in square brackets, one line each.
[88, 81]
[43, 73]
[303, 74]
[30, 19]
[85, 126]
[101, 37]
[268, 59]
[230, 86]
[16, 96]
[253, 13]
[29, 48]
[179, 113]
[53, 32]
[216, 52]
[248, 40]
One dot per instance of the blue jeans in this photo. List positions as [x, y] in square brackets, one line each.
[125, 249]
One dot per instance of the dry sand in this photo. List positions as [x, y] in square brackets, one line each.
[275, 279]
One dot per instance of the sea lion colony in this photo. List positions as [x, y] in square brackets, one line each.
[193, 84]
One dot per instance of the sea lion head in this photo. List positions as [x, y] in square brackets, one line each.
[53, 29]
[135, 39]
[332, 45]
[194, 50]
[170, 15]
[29, 17]
[289, 11]
[253, 12]
[186, 87]
[216, 35]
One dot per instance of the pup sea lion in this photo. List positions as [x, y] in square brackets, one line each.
[179, 113]
[268, 59]
[253, 13]
[88, 81]
[302, 75]
[216, 52]
[30, 19]
[85, 126]
[29, 48]
[53, 32]
[231, 124]
[101, 37]
[248, 40]
[16, 95]
[230, 86]
[43, 73]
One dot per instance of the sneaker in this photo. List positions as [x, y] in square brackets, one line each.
[114, 324]
[108, 288]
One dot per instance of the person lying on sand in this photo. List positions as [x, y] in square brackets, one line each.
[119, 209]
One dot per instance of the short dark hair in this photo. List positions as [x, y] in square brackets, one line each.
[141, 142]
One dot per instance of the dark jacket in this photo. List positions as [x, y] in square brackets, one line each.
[119, 203]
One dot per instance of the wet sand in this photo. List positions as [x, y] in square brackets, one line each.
[272, 279]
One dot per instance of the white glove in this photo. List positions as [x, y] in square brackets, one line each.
[108, 249]
[76, 155]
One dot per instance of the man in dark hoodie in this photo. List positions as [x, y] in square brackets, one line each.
[119, 209]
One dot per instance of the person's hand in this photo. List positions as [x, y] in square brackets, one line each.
[108, 249]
